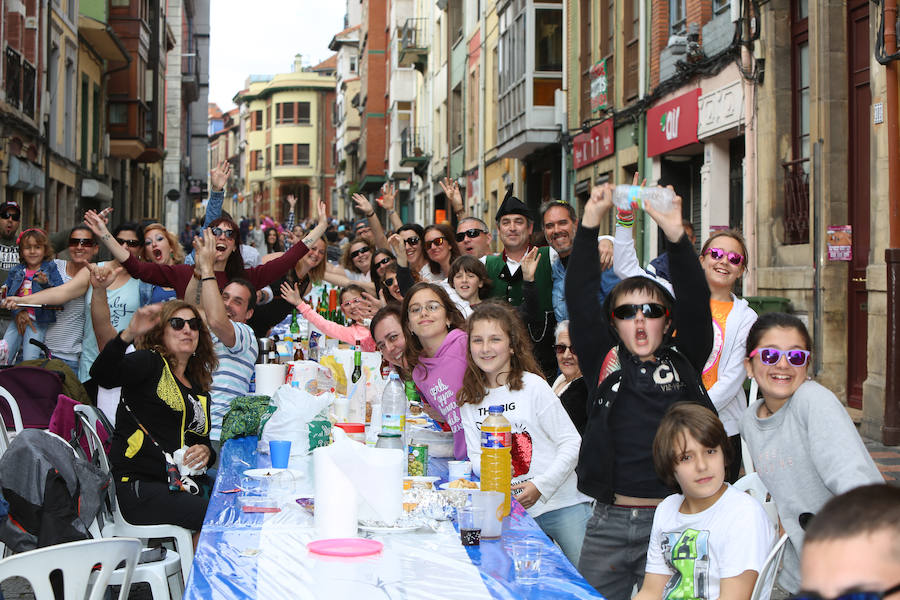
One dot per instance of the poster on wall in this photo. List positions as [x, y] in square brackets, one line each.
[598, 86]
[839, 242]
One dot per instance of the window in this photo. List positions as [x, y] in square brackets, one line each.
[118, 114]
[677, 17]
[796, 170]
[285, 113]
[291, 155]
[13, 77]
[608, 47]
[352, 63]
[85, 120]
[256, 118]
[720, 6]
[632, 37]
[95, 127]
[256, 160]
[548, 39]
[292, 113]
[302, 154]
[303, 112]
[29, 81]
[586, 60]
[286, 154]
[456, 117]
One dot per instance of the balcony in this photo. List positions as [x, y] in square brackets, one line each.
[412, 147]
[413, 44]
[190, 79]
[796, 201]
[403, 86]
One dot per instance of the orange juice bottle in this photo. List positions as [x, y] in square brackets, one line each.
[496, 451]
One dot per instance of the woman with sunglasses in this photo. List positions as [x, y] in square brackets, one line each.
[412, 235]
[164, 407]
[390, 293]
[724, 259]
[804, 446]
[570, 386]
[630, 392]
[354, 306]
[441, 248]
[228, 262]
[355, 261]
[381, 258]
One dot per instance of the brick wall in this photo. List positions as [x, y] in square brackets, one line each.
[659, 37]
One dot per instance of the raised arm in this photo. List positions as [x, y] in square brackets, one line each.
[388, 193]
[61, 294]
[291, 295]
[101, 279]
[363, 205]
[98, 226]
[218, 178]
[451, 190]
[263, 275]
[210, 298]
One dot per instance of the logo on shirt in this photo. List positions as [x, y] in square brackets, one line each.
[687, 554]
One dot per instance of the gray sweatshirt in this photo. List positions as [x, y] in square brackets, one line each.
[806, 453]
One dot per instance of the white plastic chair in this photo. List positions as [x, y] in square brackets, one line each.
[76, 560]
[753, 485]
[745, 449]
[13, 408]
[115, 525]
[763, 587]
[4, 437]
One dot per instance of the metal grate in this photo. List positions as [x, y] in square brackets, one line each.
[796, 201]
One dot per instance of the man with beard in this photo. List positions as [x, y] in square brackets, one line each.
[560, 223]
[10, 215]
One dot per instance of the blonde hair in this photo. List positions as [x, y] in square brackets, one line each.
[177, 251]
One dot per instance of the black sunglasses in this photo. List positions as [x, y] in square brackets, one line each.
[229, 233]
[412, 241]
[650, 310]
[129, 243]
[383, 261]
[860, 595]
[177, 323]
[13, 216]
[83, 242]
[561, 349]
[356, 253]
[389, 282]
[469, 233]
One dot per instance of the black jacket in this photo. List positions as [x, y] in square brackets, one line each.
[593, 337]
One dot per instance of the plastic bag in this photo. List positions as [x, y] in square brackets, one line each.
[296, 410]
[337, 372]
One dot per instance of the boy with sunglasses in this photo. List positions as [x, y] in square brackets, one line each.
[634, 373]
[852, 549]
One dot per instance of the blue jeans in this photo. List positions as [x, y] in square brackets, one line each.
[15, 340]
[614, 554]
[565, 526]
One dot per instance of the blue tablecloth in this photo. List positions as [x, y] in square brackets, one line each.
[225, 565]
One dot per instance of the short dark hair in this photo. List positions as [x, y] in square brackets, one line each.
[639, 283]
[251, 303]
[472, 265]
[550, 204]
[767, 321]
[392, 309]
[863, 510]
[668, 445]
[135, 227]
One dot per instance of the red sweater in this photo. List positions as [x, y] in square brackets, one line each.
[178, 276]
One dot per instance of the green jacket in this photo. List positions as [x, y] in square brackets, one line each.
[509, 286]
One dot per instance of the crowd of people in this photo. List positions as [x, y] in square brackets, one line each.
[623, 386]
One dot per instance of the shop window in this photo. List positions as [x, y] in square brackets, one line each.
[677, 17]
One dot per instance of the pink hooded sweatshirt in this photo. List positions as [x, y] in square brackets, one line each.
[439, 377]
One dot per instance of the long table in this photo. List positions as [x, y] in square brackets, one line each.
[244, 555]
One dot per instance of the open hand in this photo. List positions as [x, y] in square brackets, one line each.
[205, 250]
[96, 223]
[529, 264]
[396, 244]
[291, 294]
[292, 201]
[670, 221]
[103, 276]
[144, 319]
[388, 193]
[218, 177]
[451, 190]
[606, 254]
[362, 204]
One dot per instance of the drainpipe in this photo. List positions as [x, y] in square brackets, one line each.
[890, 431]
[643, 86]
[45, 100]
[482, 101]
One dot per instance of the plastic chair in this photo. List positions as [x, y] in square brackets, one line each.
[115, 525]
[763, 587]
[753, 485]
[13, 409]
[4, 437]
[745, 450]
[76, 561]
[36, 389]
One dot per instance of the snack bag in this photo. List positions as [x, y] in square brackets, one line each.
[337, 371]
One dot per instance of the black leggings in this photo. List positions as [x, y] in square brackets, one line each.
[152, 503]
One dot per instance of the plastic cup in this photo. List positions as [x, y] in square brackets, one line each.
[280, 451]
[526, 555]
[459, 469]
[469, 519]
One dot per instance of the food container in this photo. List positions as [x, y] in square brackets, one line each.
[354, 431]
[389, 440]
[440, 443]
[418, 459]
[258, 504]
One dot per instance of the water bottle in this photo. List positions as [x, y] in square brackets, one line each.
[393, 407]
[659, 198]
[496, 455]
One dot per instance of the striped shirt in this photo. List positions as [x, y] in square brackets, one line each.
[64, 336]
[232, 377]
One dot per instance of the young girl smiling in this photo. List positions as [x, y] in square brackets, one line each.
[502, 371]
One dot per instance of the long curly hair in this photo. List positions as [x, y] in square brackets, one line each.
[201, 364]
[414, 347]
[174, 244]
[449, 238]
[234, 265]
[475, 383]
[347, 261]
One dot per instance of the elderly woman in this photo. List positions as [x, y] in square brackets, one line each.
[164, 407]
[570, 386]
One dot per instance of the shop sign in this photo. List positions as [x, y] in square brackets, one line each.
[720, 110]
[673, 124]
[598, 86]
[590, 147]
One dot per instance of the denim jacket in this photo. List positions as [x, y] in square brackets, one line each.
[17, 277]
[608, 281]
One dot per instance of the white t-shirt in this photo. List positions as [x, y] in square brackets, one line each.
[698, 551]
[545, 444]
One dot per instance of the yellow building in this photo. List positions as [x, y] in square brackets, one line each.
[289, 132]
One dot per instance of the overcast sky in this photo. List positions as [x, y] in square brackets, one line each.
[262, 36]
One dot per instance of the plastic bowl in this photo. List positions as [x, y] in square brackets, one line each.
[440, 443]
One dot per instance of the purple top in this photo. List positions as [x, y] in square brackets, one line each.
[439, 377]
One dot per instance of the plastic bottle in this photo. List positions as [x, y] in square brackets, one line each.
[357, 362]
[658, 197]
[393, 407]
[496, 455]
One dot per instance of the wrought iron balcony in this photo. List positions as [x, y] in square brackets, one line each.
[412, 147]
[796, 201]
[413, 42]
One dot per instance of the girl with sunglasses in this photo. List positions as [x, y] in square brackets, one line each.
[440, 246]
[354, 306]
[381, 258]
[630, 390]
[165, 406]
[803, 444]
[413, 235]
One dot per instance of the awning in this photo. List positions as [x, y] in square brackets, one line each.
[24, 176]
[102, 39]
[91, 188]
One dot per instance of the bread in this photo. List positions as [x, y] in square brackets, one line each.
[462, 484]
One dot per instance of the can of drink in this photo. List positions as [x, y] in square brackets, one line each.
[418, 459]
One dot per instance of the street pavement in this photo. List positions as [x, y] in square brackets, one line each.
[886, 457]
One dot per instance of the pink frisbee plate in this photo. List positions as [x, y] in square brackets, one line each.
[345, 547]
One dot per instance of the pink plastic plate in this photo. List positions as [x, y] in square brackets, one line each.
[345, 547]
